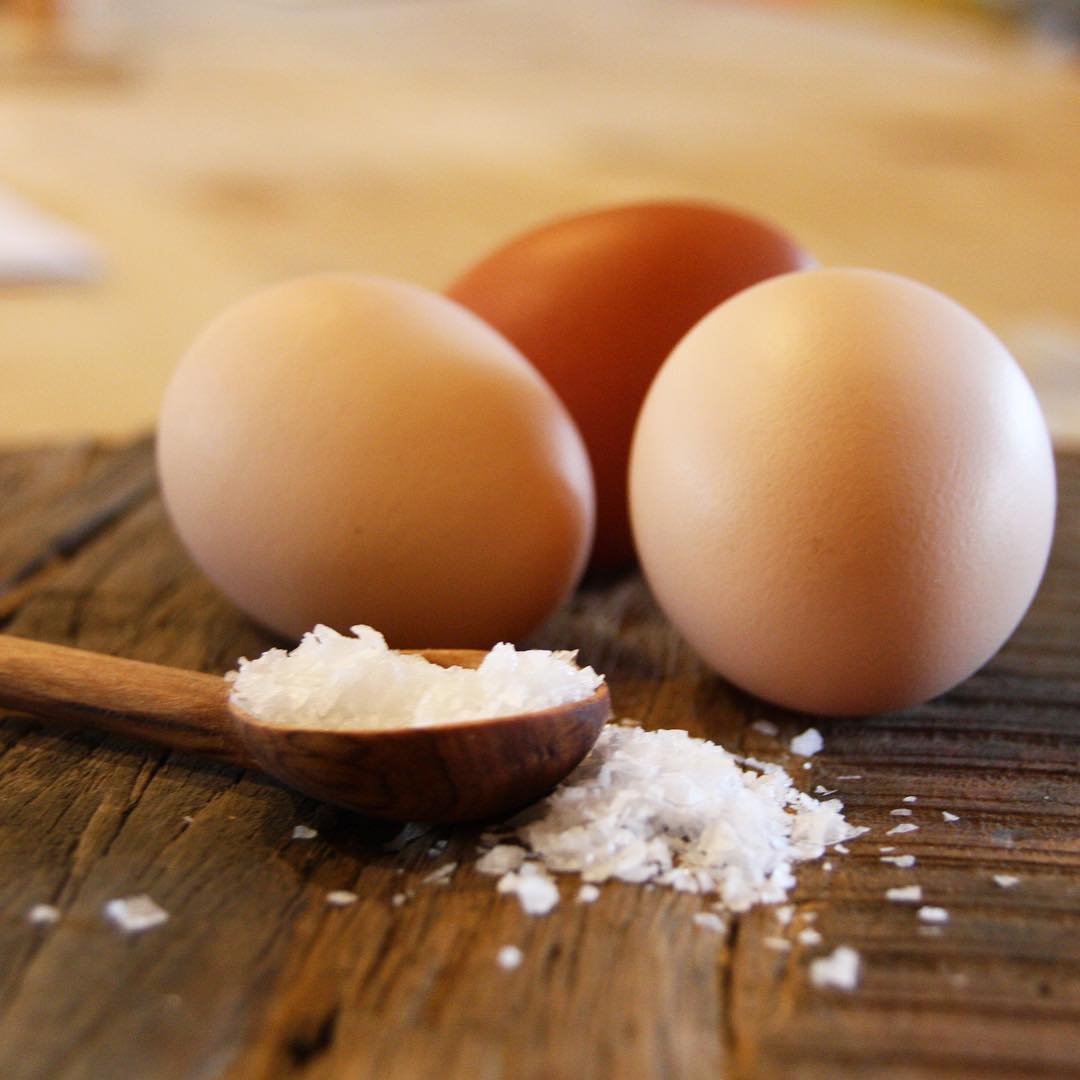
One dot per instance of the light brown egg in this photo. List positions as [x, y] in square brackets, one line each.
[346, 449]
[842, 491]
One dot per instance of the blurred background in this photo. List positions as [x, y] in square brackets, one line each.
[160, 159]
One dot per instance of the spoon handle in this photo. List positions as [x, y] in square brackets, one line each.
[185, 710]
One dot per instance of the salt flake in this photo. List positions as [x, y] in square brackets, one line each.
[133, 914]
[1006, 881]
[933, 915]
[509, 957]
[949, 817]
[536, 891]
[304, 832]
[341, 897]
[43, 915]
[807, 743]
[904, 862]
[904, 894]
[809, 936]
[588, 894]
[839, 970]
[501, 859]
[906, 827]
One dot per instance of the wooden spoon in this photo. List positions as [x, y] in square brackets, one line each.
[461, 771]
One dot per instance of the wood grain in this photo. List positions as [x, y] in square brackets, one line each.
[255, 975]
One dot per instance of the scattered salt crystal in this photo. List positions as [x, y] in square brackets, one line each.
[43, 914]
[304, 832]
[663, 807]
[509, 957]
[765, 727]
[904, 862]
[905, 894]
[535, 889]
[933, 915]
[827, 866]
[133, 914]
[807, 743]
[710, 921]
[441, 876]
[341, 897]
[1006, 881]
[910, 798]
[852, 776]
[398, 899]
[907, 826]
[902, 812]
[588, 894]
[842, 848]
[333, 681]
[839, 970]
[888, 847]
[809, 937]
[777, 944]
[807, 765]
[784, 914]
[187, 819]
[949, 817]
[822, 790]
[501, 859]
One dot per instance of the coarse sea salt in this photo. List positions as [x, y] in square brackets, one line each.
[808, 743]
[662, 807]
[903, 862]
[930, 914]
[133, 914]
[332, 681]
[1006, 881]
[839, 970]
[904, 894]
[43, 915]
[509, 957]
[341, 897]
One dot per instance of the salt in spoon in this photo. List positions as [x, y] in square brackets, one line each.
[459, 771]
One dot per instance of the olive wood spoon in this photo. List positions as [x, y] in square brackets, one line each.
[460, 771]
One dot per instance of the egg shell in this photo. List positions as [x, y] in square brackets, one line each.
[347, 449]
[597, 301]
[843, 491]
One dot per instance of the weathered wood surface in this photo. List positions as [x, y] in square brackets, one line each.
[255, 975]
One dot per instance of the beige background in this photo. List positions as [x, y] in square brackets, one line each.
[209, 152]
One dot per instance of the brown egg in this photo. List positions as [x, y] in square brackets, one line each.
[842, 491]
[598, 301]
[348, 450]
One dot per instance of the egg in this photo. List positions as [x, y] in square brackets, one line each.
[346, 449]
[842, 491]
[597, 301]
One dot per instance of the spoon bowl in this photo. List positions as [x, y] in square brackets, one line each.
[459, 771]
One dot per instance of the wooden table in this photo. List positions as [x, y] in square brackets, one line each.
[255, 975]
